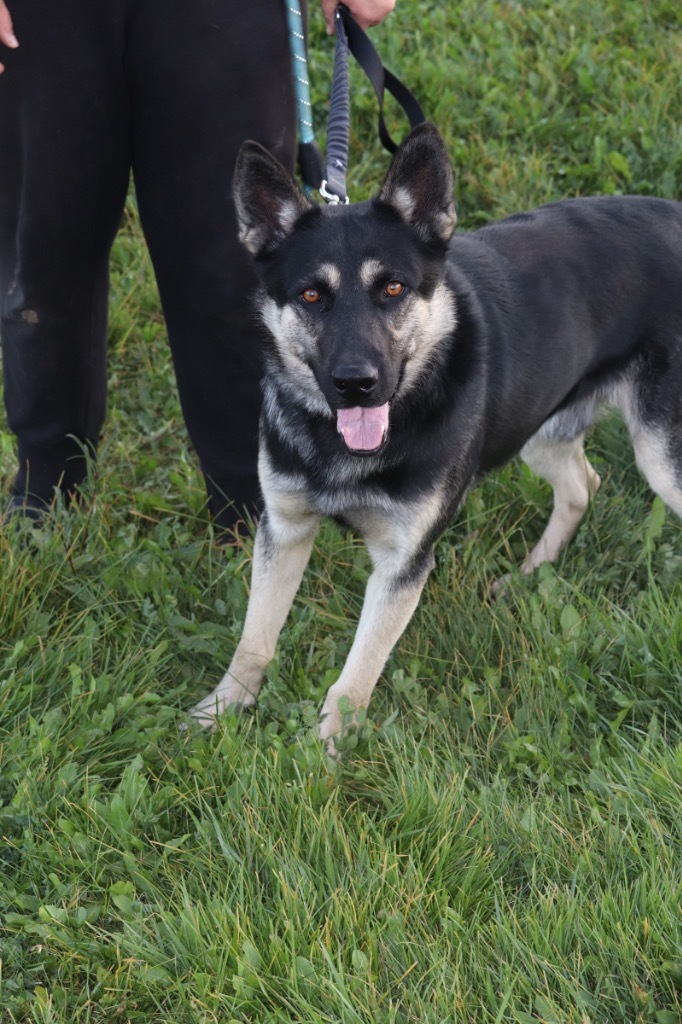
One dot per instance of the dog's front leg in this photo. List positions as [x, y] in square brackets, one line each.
[281, 552]
[390, 601]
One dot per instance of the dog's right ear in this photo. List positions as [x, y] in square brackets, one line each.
[267, 199]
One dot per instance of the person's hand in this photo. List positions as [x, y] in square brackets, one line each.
[7, 36]
[365, 12]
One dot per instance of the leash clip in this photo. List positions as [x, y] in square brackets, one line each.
[331, 197]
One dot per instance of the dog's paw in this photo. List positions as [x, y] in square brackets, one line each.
[339, 720]
[330, 730]
[497, 590]
[224, 698]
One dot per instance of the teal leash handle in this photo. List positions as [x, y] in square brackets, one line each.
[309, 156]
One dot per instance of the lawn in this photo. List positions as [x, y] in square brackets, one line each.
[502, 840]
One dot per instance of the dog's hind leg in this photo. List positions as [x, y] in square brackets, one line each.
[564, 465]
[281, 553]
[655, 452]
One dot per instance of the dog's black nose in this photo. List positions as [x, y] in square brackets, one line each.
[355, 382]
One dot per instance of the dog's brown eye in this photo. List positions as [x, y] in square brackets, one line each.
[310, 295]
[393, 289]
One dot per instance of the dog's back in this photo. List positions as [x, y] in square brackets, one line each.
[580, 300]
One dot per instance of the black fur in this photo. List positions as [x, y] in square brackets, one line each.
[511, 337]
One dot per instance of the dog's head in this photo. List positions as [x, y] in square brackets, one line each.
[354, 297]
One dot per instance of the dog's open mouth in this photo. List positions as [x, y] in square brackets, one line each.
[363, 430]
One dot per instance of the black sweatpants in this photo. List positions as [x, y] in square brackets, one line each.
[169, 89]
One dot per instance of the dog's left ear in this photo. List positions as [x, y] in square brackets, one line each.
[420, 186]
[267, 199]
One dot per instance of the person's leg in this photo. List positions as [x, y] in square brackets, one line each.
[204, 77]
[64, 169]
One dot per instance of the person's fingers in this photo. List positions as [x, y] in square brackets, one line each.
[367, 13]
[7, 36]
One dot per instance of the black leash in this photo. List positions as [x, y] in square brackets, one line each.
[333, 187]
[350, 38]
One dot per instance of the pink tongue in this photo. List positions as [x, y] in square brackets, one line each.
[363, 430]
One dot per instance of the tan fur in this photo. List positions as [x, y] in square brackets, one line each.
[564, 465]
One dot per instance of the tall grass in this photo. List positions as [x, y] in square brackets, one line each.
[502, 840]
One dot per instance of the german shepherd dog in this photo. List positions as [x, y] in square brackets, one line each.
[403, 362]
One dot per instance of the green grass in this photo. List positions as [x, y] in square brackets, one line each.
[502, 840]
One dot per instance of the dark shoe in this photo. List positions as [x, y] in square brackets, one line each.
[26, 509]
